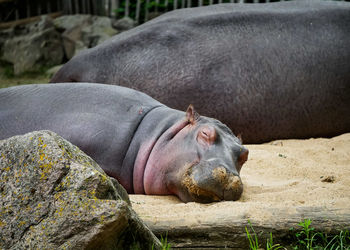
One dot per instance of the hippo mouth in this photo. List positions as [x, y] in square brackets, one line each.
[219, 185]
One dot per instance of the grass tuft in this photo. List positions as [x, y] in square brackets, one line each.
[306, 238]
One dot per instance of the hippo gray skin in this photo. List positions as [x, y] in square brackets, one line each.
[268, 71]
[148, 147]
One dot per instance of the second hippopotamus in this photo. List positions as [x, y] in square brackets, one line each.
[268, 71]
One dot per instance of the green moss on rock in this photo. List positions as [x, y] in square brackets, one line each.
[55, 196]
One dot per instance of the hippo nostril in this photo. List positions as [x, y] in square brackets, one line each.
[233, 188]
[231, 184]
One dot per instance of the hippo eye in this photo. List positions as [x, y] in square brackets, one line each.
[206, 136]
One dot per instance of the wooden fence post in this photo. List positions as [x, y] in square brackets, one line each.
[146, 12]
[175, 5]
[156, 7]
[127, 6]
[138, 8]
[76, 6]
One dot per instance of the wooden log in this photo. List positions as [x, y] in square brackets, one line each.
[227, 230]
[7, 25]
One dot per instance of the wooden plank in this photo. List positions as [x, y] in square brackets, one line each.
[7, 25]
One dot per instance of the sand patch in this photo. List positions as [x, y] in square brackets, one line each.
[281, 178]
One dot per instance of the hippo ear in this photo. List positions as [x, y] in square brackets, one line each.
[239, 136]
[191, 115]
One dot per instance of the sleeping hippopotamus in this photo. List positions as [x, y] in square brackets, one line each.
[148, 147]
[268, 71]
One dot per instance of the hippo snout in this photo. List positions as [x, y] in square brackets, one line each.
[208, 183]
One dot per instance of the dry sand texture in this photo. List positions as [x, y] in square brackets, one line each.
[283, 175]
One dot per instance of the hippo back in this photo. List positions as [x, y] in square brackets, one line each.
[269, 71]
[85, 114]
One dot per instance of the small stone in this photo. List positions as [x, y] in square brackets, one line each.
[329, 179]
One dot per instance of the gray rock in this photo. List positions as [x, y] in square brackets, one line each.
[83, 31]
[71, 26]
[68, 22]
[100, 30]
[53, 196]
[33, 47]
[123, 24]
[4, 35]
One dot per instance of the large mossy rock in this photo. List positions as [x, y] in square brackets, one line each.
[53, 196]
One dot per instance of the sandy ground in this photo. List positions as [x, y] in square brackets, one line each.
[283, 175]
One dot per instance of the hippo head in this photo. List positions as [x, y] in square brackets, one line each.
[198, 159]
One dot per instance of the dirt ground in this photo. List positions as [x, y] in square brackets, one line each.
[282, 175]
